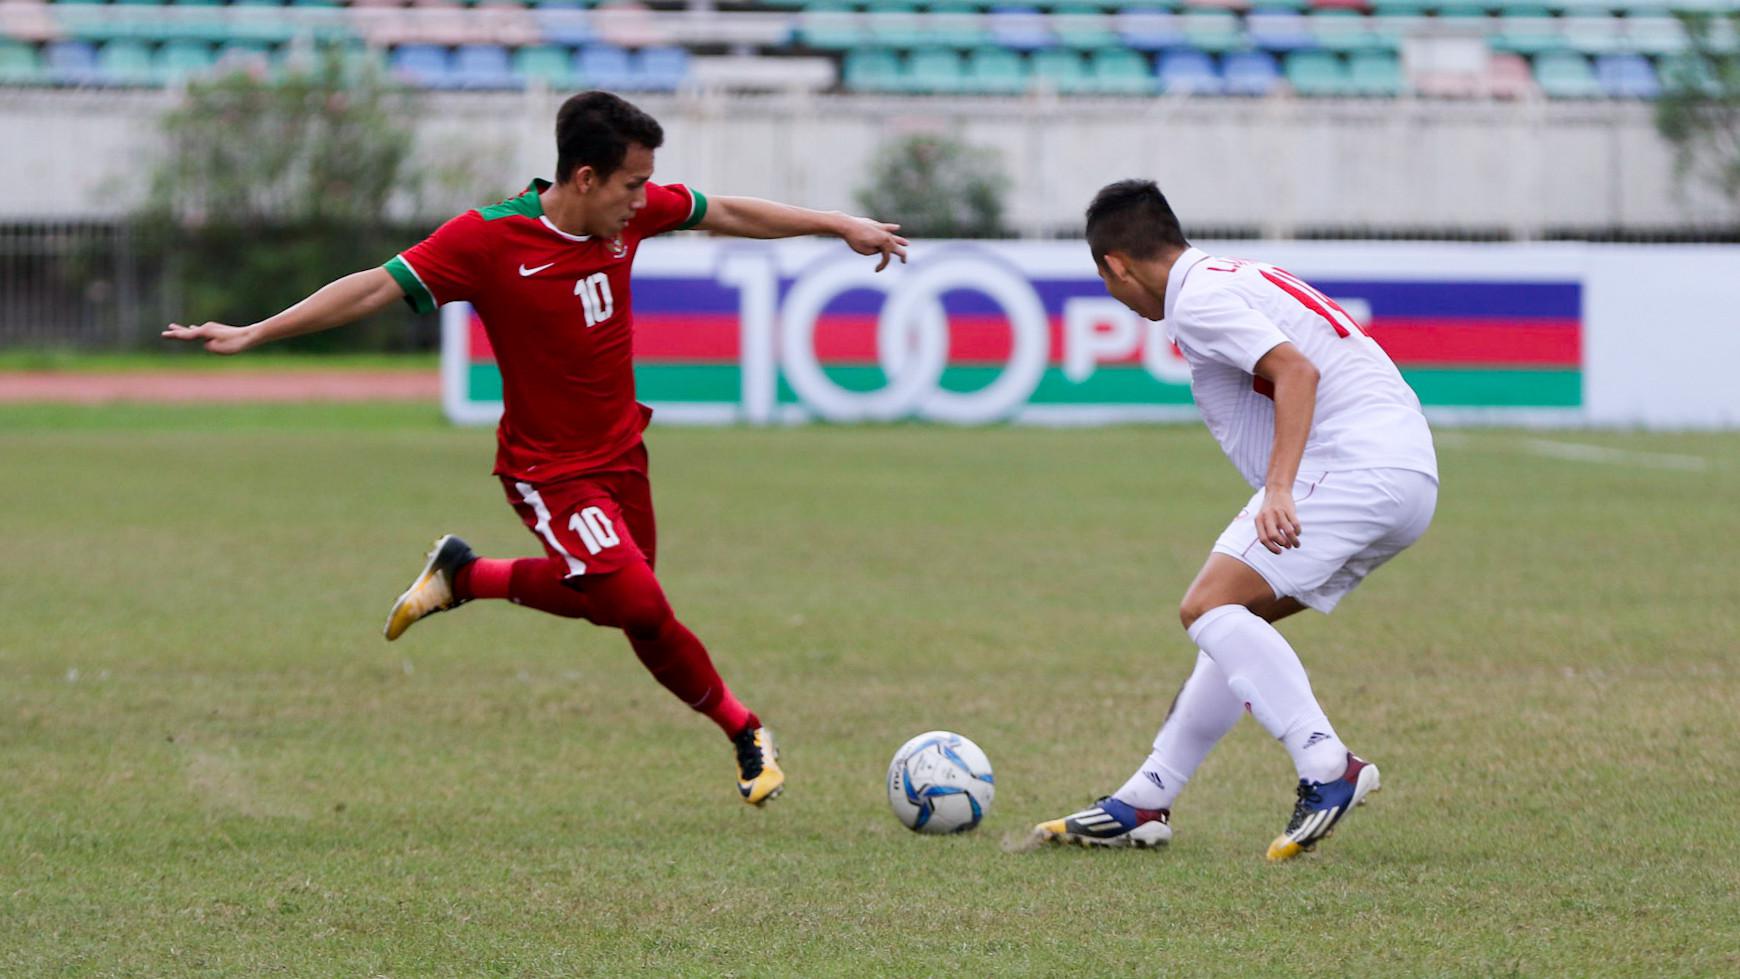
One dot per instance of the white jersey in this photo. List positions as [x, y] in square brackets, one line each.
[1225, 314]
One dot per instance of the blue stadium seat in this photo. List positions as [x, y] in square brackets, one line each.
[1021, 28]
[423, 65]
[72, 63]
[484, 66]
[1627, 76]
[1279, 30]
[563, 25]
[1149, 31]
[1188, 70]
[603, 66]
[1251, 73]
[663, 69]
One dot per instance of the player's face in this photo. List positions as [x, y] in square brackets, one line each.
[623, 193]
[1120, 281]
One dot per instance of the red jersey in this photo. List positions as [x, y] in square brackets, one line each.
[557, 310]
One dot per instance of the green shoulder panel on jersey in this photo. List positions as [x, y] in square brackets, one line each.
[525, 205]
[416, 293]
[697, 209]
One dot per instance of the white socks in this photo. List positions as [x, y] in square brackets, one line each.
[1204, 711]
[1264, 672]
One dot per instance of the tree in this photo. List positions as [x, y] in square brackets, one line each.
[271, 187]
[1699, 109]
[937, 187]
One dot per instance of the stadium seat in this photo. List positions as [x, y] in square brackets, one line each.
[1375, 73]
[127, 63]
[1566, 75]
[179, 61]
[897, 25]
[1345, 30]
[830, 27]
[545, 63]
[484, 67]
[1654, 35]
[957, 25]
[1274, 30]
[1592, 33]
[72, 63]
[1251, 73]
[603, 66]
[1216, 4]
[1355, 5]
[1627, 76]
[1150, 31]
[563, 26]
[1315, 73]
[1120, 71]
[1020, 28]
[1189, 71]
[994, 71]
[422, 65]
[1061, 70]
[871, 70]
[1508, 77]
[1084, 32]
[1403, 8]
[932, 70]
[661, 69]
[1212, 30]
[1527, 30]
[20, 64]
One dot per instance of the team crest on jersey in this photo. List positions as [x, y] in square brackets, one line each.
[618, 247]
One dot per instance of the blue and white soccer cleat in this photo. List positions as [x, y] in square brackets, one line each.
[1321, 806]
[1108, 822]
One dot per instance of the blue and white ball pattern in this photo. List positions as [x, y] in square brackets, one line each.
[940, 782]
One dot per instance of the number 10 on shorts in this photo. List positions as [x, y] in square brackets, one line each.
[595, 529]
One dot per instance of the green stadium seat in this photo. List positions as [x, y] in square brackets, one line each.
[1212, 30]
[1294, 6]
[1348, 30]
[1120, 71]
[957, 25]
[933, 71]
[1313, 73]
[871, 70]
[1528, 30]
[994, 71]
[1593, 33]
[1376, 73]
[1402, 8]
[897, 25]
[127, 63]
[545, 63]
[178, 61]
[1063, 70]
[1084, 32]
[1566, 75]
[1654, 35]
[831, 27]
[20, 64]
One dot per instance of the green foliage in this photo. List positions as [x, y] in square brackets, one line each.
[272, 187]
[1699, 110]
[937, 187]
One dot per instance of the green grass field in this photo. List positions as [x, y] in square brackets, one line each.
[214, 765]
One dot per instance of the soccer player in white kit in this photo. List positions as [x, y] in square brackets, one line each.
[1318, 420]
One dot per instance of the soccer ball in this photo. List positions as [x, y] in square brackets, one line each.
[939, 782]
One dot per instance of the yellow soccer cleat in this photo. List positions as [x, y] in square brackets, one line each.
[759, 777]
[432, 591]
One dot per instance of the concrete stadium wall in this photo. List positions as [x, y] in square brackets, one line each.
[1274, 166]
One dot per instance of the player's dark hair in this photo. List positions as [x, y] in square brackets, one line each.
[595, 129]
[1132, 216]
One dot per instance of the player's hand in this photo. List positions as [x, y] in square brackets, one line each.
[219, 338]
[1278, 522]
[869, 237]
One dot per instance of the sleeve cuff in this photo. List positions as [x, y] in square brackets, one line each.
[697, 209]
[416, 293]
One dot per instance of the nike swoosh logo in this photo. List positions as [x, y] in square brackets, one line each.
[525, 271]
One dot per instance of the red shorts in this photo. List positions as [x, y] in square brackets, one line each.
[596, 522]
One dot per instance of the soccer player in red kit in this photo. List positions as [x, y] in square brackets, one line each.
[548, 272]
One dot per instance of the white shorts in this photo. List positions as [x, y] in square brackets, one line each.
[1351, 522]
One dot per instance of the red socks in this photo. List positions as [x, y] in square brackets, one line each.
[630, 600]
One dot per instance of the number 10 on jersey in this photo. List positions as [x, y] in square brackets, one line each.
[594, 293]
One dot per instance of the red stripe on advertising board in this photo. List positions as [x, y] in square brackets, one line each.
[1533, 343]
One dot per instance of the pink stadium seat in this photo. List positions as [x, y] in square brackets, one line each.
[1361, 5]
[1508, 77]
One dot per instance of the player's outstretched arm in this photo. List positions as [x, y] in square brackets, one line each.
[1295, 381]
[752, 217]
[339, 302]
